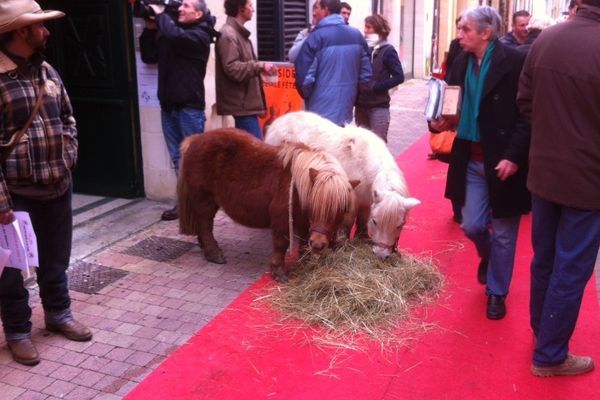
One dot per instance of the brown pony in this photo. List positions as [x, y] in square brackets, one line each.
[250, 181]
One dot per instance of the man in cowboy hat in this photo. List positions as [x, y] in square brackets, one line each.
[35, 175]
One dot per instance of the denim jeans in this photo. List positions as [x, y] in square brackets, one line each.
[250, 124]
[177, 125]
[565, 244]
[375, 119]
[495, 238]
[52, 222]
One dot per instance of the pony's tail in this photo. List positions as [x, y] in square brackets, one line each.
[188, 220]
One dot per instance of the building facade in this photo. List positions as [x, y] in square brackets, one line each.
[122, 149]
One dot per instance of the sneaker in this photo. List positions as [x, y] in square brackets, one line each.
[170, 215]
[573, 365]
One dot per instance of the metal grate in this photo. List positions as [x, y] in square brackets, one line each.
[159, 248]
[91, 278]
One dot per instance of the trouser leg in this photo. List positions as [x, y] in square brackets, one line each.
[576, 247]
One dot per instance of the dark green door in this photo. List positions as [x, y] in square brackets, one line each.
[92, 48]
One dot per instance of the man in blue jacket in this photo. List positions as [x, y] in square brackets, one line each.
[332, 64]
[180, 44]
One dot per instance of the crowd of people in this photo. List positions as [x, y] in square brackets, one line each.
[527, 139]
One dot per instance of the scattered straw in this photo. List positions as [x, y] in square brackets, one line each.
[351, 292]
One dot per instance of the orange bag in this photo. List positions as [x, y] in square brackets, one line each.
[441, 143]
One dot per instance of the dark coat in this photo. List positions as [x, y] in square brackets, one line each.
[504, 135]
[181, 52]
[560, 89]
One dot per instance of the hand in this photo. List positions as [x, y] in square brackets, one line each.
[506, 169]
[157, 8]
[441, 124]
[270, 69]
[6, 217]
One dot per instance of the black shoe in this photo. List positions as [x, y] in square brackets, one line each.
[482, 271]
[170, 215]
[496, 309]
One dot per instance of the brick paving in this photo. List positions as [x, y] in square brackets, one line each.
[141, 318]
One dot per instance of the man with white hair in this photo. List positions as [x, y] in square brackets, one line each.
[36, 174]
[488, 163]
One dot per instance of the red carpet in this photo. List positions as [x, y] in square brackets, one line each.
[465, 356]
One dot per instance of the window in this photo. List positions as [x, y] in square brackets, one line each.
[278, 23]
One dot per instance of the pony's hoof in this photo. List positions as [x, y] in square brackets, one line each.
[216, 258]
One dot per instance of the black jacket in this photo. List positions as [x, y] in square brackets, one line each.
[504, 132]
[182, 53]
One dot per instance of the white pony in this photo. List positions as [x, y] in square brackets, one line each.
[382, 196]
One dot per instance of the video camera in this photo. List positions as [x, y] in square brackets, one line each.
[141, 8]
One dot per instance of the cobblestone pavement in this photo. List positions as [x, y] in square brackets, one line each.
[145, 290]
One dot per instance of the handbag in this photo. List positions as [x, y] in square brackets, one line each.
[5, 149]
[441, 143]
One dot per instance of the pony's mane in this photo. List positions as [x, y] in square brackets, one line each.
[331, 190]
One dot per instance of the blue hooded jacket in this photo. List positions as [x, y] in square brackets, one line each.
[333, 62]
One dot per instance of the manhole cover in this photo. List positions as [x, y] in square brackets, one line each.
[91, 278]
[159, 248]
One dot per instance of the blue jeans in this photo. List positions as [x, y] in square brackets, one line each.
[52, 221]
[177, 125]
[250, 124]
[565, 244]
[495, 238]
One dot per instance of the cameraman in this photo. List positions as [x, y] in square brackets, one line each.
[179, 40]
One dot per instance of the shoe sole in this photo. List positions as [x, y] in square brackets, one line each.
[71, 337]
[546, 374]
[29, 363]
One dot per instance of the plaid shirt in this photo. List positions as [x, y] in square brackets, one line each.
[47, 152]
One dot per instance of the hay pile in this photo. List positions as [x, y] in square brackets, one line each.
[350, 291]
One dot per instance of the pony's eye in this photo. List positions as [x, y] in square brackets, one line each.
[373, 221]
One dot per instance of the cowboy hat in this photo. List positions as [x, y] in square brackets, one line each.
[15, 14]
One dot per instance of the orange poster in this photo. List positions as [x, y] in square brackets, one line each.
[281, 96]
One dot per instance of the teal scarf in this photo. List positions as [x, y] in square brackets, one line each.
[468, 128]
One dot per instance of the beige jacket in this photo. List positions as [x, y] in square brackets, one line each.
[238, 82]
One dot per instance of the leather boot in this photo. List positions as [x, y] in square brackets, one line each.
[23, 351]
[72, 330]
[573, 365]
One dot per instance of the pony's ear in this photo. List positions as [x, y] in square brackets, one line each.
[376, 197]
[354, 183]
[410, 202]
[312, 173]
